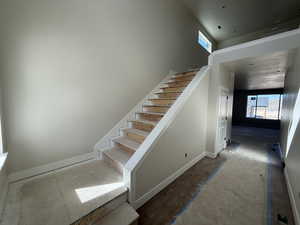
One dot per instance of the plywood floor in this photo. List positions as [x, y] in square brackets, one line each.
[244, 185]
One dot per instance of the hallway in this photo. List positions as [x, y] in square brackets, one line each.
[243, 185]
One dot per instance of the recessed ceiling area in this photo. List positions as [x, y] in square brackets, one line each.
[263, 72]
[225, 19]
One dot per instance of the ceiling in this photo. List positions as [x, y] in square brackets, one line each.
[263, 72]
[225, 19]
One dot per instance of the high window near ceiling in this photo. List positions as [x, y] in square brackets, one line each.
[204, 42]
[266, 106]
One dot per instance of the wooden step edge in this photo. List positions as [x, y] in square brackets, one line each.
[153, 123]
[136, 131]
[176, 81]
[164, 92]
[156, 105]
[184, 86]
[127, 143]
[154, 99]
[151, 113]
[192, 72]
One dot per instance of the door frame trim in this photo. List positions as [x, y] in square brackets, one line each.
[221, 89]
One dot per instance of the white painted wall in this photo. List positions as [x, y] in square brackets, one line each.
[3, 182]
[220, 77]
[186, 134]
[290, 126]
[3, 162]
[73, 69]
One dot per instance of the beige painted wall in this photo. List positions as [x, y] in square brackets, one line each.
[220, 77]
[3, 162]
[291, 91]
[73, 69]
[186, 134]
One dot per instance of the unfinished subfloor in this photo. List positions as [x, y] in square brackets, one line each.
[243, 185]
[62, 197]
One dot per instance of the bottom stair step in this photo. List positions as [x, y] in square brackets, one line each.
[123, 215]
[116, 157]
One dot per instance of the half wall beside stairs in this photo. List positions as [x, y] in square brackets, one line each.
[165, 135]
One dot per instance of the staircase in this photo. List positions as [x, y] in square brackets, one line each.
[94, 193]
[115, 210]
[138, 129]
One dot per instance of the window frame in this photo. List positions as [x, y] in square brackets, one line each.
[201, 36]
[256, 100]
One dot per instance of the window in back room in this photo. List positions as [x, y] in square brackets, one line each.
[267, 106]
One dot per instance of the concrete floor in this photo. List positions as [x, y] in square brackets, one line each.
[243, 185]
[63, 197]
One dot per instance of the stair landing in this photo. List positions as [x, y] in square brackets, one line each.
[66, 197]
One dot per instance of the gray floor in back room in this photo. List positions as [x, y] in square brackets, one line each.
[244, 185]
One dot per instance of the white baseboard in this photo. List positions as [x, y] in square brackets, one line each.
[292, 198]
[211, 155]
[142, 200]
[35, 171]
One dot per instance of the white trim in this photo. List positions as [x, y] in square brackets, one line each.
[292, 198]
[278, 42]
[106, 141]
[147, 146]
[211, 155]
[217, 144]
[35, 171]
[142, 200]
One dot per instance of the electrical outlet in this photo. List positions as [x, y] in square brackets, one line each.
[185, 155]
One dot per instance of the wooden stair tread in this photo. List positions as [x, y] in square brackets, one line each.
[152, 113]
[118, 154]
[137, 131]
[127, 143]
[177, 86]
[186, 74]
[163, 92]
[156, 105]
[176, 81]
[162, 99]
[144, 121]
[123, 215]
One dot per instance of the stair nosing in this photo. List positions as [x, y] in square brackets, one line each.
[185, 73]
[176, 81]
[135, 144]
[168, 92]
[140, 132]
[174, 87]
[150, 99]
[151, 113]
[156, 105]
[144, 121]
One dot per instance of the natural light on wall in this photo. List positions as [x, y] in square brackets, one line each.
[204, 42]
[294, 123]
